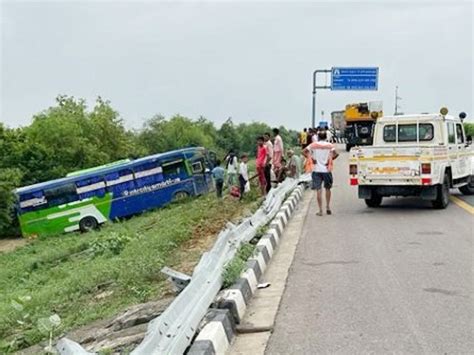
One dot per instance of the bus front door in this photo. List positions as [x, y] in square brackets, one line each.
[199, 177]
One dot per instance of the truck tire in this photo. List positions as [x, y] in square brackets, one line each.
[468, 189]
[442, 195]
[374, 201]
[87, 224]
[348, 147]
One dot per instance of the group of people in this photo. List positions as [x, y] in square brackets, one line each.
[236, 172]
[272, 167]
[310, 135]
[270, 162]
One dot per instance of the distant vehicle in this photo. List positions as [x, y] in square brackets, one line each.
[338, 121]
[360, 121]
[323, 124]
[86, 199]
[414, 155]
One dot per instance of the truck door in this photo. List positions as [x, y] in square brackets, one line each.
[463, 156]
[453, 149]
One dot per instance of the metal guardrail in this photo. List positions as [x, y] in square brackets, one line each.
[174, 329]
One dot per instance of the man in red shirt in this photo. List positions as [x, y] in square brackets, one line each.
[261, 163]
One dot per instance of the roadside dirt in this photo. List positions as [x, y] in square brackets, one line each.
[11, 244]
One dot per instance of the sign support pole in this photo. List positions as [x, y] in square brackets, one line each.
[315, 74]
[346, 78]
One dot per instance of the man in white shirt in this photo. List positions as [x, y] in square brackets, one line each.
[323, 154]
[243, 174]
[231, 166]
[328, 134]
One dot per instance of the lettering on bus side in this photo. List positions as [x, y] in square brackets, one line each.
[149, 188]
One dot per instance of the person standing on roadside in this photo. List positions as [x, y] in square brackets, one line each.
[278, 151]
[231, 166]
[328, 134]
[243, 174]
[303, 136]
[309, 137]
[268, 167]
[308, 164]
[323, 153]
[294, 165]
[218, 175]
[261, 164]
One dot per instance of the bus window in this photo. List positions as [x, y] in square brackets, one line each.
[174, 169]
[93, 186]
[197, 167]
[148, 173]
[119, 182]
[32, 201]
[61, 195]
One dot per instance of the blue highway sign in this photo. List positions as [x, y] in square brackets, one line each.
[343, 78]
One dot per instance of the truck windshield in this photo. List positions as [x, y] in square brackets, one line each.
[407, 132]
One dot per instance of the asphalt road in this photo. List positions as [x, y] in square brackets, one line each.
[396, 279]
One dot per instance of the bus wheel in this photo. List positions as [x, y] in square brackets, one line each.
[88, 223]
[180, 195]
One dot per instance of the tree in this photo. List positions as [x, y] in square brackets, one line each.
[248, 135]
[228, 137]
[108, 132]
[9, 179]
[160, 135]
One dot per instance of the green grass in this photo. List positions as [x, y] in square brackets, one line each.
[236, 266]
[85, 277]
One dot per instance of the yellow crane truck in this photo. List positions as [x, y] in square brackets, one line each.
[360, 121]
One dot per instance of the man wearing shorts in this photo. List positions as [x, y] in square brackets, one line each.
[323, 153]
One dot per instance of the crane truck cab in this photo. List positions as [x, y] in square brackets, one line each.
[414, 155]
[360, 120]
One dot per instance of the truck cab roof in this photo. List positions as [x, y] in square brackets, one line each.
[418, 117]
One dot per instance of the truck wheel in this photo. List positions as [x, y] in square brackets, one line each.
[348, 147]
[87, 224]
[442, 196]
[468, 189]
[374, 201]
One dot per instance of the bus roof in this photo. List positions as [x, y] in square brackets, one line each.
[107, 169]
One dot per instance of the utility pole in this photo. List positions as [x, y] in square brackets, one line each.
[397, 106]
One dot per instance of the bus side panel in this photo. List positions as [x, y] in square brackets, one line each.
[148, 197]
[64, 218]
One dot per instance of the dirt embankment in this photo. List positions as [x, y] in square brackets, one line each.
[11, 244]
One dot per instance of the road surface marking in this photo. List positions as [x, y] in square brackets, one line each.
[462, 204]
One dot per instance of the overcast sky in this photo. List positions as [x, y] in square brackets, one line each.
[247, 60]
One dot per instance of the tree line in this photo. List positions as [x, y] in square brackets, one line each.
[68, 137]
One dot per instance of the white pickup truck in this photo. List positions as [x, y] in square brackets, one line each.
[414, 155]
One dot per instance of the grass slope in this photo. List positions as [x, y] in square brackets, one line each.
[85, 277]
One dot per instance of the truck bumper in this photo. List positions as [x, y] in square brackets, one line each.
[425, 192]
